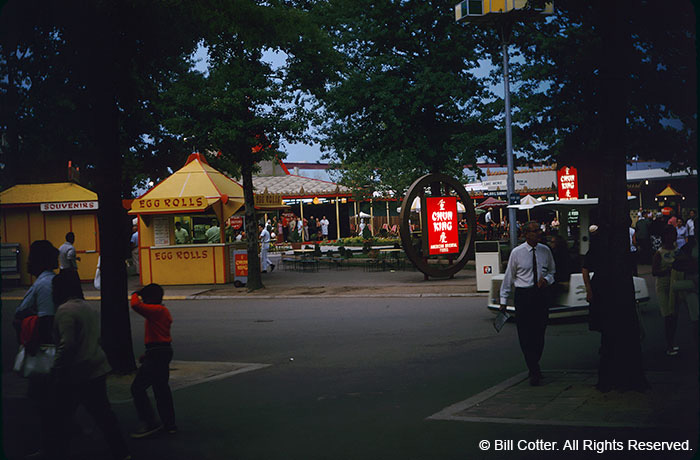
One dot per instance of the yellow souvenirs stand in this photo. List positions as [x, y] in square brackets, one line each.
[195, 195]
[31, 212]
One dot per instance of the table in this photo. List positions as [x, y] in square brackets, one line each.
[392, 254]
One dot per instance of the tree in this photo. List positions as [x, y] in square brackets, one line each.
[556, 83]
[599, 84]
[405, 102]
[244, 104]
[81, 79]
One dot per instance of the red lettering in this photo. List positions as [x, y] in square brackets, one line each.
[200, 201]
[167, 201]
[205, 254]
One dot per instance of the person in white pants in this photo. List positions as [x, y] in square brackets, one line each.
[264, 247]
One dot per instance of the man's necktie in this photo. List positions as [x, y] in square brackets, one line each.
[534, 265]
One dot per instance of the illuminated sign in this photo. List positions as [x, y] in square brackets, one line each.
[183, 203]
[567, 180]
[443, 235]
[70, 206]
[235, 222]
[241, 264]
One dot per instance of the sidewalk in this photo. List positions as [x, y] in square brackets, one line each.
[348, 282]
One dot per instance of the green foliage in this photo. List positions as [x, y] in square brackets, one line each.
[360, 241]
[404, 103]
[366, 233]
[558, 72]
[47, 106]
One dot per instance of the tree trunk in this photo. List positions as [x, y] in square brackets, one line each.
[621, 355]
[116, 328]
[251, 229]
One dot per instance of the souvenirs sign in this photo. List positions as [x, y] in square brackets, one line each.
[443, 237]
[567, 181]
[70, 206]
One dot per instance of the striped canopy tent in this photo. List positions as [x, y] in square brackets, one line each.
[491, 202]
[223, 195]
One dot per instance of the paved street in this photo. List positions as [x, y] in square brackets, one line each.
[357, 379]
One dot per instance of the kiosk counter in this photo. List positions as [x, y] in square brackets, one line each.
[195, 201]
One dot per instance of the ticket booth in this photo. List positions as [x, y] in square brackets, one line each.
[31, 212]
[199, 199]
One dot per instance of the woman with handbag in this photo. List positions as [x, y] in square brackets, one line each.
[33, 323]
[38, 301]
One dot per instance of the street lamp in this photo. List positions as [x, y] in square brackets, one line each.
[503, 14]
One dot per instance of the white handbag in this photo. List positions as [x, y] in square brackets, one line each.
[41, 363]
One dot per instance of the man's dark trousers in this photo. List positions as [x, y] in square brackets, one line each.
[531, 313]
[154, 372]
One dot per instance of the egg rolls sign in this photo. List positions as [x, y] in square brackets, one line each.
[443, 237]
[176, 204]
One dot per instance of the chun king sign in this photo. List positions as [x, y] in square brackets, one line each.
[567, 181]
[443, 237]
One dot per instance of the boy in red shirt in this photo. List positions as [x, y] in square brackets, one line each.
[154, 370]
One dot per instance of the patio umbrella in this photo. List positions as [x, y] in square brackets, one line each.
[528, 200]
[491, 202]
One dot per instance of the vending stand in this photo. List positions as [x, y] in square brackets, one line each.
[198, 197]
[31, 212]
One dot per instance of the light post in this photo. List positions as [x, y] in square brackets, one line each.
[503, 14]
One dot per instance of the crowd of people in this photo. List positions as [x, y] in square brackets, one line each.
[54, 315]
[668, 243]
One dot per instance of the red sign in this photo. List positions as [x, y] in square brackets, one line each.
[241, 264]
[443, 236]
[235, 222]
[567, 179]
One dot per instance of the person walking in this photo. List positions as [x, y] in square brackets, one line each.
[661, 266]
[488, 219]
[314, 231]
[531, 271]
[324, 228]
[690, 223]
[681, 233]
[634, 253]
[134, 245]
[79, 372]
[66, 254]
[154, 370]
[264, 247]
[33, 322]
[641, 232]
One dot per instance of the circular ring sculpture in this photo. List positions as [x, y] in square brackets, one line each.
[417, 189]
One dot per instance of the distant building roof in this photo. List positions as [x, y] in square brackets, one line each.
[296, 180]
[292, 186]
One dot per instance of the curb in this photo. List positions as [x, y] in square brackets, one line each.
[346, 296]
[285, 296]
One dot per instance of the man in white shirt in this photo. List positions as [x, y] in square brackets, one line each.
[324, 228]
[531, 295]
[264, 247]
[489, 223]
[690, 224]
[66, 254]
